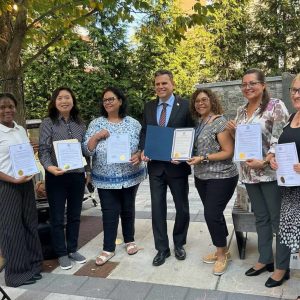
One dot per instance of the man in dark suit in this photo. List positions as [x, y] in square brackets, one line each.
[171, 111]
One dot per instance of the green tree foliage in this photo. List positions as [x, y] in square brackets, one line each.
[273, 36]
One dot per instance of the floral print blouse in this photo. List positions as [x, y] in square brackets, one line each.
[272, 122]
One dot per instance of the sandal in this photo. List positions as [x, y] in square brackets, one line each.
[104, 257]
[131, 248]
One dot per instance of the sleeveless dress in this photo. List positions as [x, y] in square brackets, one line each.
[289, 228]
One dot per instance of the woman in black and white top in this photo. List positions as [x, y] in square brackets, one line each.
[20, 244]
[216, 175]
[63, 123]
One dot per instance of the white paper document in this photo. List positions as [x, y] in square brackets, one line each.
[55, 143]
[248, 142]
[183, 141]
[22, 159]
[118, 148]
[69, 156]
[286, 156]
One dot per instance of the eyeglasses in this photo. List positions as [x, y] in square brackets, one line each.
[294, 91]
[250, 84]
[202, 100]
[109, 100]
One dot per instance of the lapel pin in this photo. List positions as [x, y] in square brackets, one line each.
[177, 104]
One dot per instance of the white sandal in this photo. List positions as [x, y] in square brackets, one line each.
[131, 248]
[104, 257]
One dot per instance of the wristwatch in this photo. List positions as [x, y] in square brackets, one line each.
[206, 160]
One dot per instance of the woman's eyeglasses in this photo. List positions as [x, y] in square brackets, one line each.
[294, 91]
[109, 100]
[202, 100]
[250, 84]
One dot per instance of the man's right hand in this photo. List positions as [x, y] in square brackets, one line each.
[144, 158]
[55, 170]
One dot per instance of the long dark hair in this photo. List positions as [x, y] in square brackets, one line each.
[52, 110]
[216, 107]
[120, 95]
[261, 78]
[9, 96]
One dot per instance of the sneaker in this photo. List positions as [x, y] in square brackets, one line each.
[77, 257]
[220, 267]
[64, 262]
[211, 258]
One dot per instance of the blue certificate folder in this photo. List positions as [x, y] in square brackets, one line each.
[159, 141]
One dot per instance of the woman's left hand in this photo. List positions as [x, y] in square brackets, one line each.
[136, 158]
[297, 169]
[255, 164]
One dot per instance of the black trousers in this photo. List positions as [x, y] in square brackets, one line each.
[179, 188]
[117, 203]
[61, 189]
[215, 194]
[19, 240]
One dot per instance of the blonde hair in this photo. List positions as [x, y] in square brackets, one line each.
[297, 77]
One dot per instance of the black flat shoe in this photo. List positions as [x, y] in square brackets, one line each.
[273, 283]
[180, 253]
[29, 281]
[253, 272]
[160, 257]
[37, 276]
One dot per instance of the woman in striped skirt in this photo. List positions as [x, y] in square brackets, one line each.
[20, 244]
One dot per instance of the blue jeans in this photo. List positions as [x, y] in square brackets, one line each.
[117, 203]
[68, 187]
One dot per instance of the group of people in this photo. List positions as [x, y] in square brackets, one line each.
[277, 209]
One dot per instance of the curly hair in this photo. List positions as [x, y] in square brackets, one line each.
[216, 107]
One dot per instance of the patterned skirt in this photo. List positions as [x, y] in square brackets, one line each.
[289, 228]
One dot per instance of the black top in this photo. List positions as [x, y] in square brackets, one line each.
[290, 135]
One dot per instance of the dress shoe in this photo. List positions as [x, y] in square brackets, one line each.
[37, 276]
[29, 281]
[272, 283]
[160, 257]
[253, 272]
[180, 253]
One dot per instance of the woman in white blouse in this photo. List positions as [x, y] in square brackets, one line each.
[20, 244]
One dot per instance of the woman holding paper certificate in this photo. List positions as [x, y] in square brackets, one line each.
[19, 240]
[289, 227]
[63, 123]
[259, 178]
[116, 169]
[216, 176]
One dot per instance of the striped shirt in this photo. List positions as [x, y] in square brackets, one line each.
[207, 143]
[56, 131]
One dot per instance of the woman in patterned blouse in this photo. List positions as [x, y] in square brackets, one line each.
[259, 178]
[63, 123]
[216, 175]
[117, 183]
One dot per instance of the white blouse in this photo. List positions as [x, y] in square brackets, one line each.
[10, 136]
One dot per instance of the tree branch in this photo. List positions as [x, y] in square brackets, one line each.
[54, 40]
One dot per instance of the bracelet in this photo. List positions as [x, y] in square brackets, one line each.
[266, 163]
[206, 160]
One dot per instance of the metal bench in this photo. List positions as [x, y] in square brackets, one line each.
[243, 219]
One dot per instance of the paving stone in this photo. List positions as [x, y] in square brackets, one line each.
[66, 284]
[130, 290]
[143, 215]
[47, 279]
[194, 294]
[31, 294]
[97, 287]
[166, 292]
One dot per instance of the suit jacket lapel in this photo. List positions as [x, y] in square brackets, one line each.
[154, 111]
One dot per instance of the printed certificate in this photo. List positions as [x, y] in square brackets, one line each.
[248, 142]
[118, 148]
[286, 156]
[22, 159]
[69, 156]
[183, 141]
